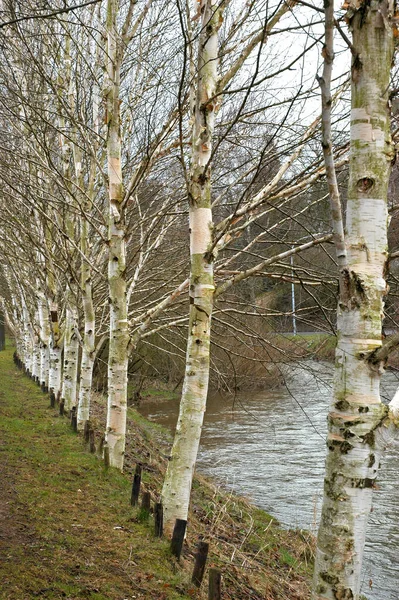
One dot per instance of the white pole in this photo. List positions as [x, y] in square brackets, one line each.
[293, 296]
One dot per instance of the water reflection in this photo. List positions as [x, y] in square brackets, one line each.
[270, 447]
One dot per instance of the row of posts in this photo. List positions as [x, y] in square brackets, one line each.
[179, 530]
[176, 545]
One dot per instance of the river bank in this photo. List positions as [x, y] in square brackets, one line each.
[254, 366]
[277, 437]
[68, 530]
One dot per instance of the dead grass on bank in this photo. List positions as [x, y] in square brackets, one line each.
[259, 560]
[237, 364]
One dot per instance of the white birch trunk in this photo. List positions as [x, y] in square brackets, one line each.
[55, 350]
[88, 348]
[118, 328]
[54, 381]
[87, 362]
[28, 341]
[325, 86]
[177, 485]
[17, 330]
[71, 341]
[356, 410]
[36, 349]
[44, 322]
[35, 369]
[71, 355]
[86, 378]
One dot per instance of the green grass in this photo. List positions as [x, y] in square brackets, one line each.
[71, 532]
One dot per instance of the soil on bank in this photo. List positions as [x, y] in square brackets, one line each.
[67, 529]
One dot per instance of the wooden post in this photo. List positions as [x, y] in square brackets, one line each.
[158, 519]
[43, 386]
[134, 498]
[146, 501]
[52, 398]
[200, 562]
[106, 455]
[92, 441]
[62, 407]
[58, 399]
[74, 419]
[179, 531]
[215, 584]
[145, 508]
[86, 432]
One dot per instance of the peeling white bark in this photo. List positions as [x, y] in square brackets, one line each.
[71, 355]
[356, 412]
[118, 330]
[177, 485]
[44, 323]
[36, 350]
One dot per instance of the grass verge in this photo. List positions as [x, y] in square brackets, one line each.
[68, 531]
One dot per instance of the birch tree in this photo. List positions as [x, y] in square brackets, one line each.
[177, 484]
[358, 422]
[206, 240]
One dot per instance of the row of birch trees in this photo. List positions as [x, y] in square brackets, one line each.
[157, 158]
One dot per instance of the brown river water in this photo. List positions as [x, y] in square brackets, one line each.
[270, 447]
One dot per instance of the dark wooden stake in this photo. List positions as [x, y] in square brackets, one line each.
[86, 432]
[146, 501]
[106, 455]
[58, 399]
[52, 398]
[179, 531]
[45, 389]
[158, 519]
[62, 407]
[215, 584]
[145, 508]
[134, 498]
[200, 562]
[43, 386]
[92, 441]
[74, 419]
